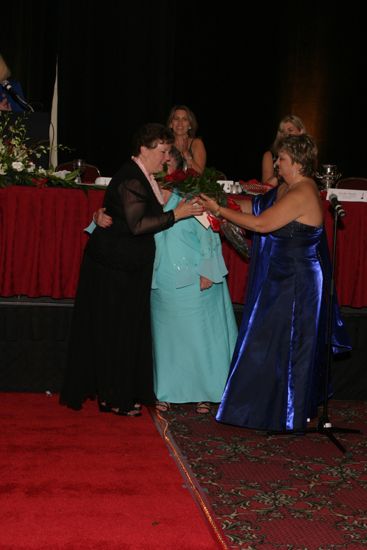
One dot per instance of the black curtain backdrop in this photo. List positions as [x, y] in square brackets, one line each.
[122, 64]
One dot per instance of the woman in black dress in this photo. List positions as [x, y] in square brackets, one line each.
[110, 351]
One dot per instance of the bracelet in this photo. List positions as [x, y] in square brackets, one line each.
[217, 212]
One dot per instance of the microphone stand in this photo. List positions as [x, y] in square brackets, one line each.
[23, 103]
[324, 426]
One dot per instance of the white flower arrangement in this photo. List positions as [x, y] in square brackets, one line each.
[18, 159]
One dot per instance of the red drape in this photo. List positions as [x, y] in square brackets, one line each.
[351, 257]
[42, 239]
[42, 242]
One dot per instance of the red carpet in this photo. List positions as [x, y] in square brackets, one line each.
[85, 480]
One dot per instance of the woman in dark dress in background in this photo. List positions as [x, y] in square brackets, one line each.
[110, 351]
[276, 375]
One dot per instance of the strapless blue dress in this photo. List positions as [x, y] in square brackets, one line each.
[276, 377]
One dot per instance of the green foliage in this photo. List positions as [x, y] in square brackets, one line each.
[191, 183]
[18, 159]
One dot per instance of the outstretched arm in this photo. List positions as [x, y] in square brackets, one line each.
[300, 204]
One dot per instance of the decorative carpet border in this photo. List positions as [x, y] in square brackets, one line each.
[185, 469]
[270, 491]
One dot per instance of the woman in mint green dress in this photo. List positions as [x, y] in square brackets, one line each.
[193, 324]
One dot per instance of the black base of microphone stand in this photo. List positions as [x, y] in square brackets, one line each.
[324, 426]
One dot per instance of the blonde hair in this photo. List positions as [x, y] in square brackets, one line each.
[4, 69]
[297, 123]
[295, 120]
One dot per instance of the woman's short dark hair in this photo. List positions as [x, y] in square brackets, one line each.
[301, 149]
[150, 135]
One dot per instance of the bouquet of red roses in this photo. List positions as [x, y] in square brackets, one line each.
[189, 183]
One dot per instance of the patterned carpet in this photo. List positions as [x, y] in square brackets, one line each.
[276, 492]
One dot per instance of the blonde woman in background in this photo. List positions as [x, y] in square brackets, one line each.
[288, 126]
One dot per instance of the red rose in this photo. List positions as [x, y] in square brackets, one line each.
[192, 172]
[180, 175]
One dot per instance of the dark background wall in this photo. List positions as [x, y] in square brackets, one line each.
[122, 64]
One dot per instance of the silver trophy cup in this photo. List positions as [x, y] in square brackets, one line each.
[328, 175]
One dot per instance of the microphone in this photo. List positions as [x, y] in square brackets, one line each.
[336, 206]
[9, 88]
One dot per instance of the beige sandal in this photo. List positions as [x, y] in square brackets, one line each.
[203, 407]
[162, 406]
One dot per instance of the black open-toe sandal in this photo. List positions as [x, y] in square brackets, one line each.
[133, 413]
[106, 408]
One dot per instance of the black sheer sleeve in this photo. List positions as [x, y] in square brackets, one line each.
[143, 212]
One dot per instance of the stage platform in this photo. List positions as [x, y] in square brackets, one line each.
[34, 339]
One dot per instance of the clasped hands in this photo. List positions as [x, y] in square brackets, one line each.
[182, 144]
[210, 205]
[200, 204]
[187, 208]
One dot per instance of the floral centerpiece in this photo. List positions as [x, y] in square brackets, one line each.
[18, 159]
[189, 183]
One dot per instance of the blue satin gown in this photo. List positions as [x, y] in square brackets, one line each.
[277, 371]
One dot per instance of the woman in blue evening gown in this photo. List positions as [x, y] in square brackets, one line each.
[277, 371]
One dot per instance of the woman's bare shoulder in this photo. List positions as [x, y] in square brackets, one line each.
[268, 156]
[197, 141]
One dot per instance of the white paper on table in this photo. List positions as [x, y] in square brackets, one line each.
[227, 185]
[348, 195]
[101, 180]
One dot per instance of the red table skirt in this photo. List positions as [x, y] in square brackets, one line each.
[42, 239]
[42, 242]
[351, 257]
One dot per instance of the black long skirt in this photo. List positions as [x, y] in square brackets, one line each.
[110, 349]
